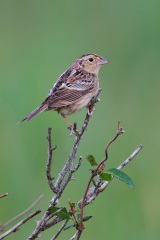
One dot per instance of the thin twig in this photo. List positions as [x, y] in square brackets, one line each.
[16, 227]
[119, 132]
[71, 158]
[136, 151]
[53, 214]
[95, 173]
[72, 211]
[77, 166]
[40, 223]
[49, 162]
[60, 230]
[4, 195]
[94, 191]
[94, 182]
[21, 214]
[74, 236]
[123, 164]
[51, 223]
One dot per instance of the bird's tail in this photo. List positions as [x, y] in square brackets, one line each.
[38, 110]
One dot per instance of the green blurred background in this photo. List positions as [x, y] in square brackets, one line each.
[38, 41]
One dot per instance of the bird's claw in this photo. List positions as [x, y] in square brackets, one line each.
[90, 111]
[73, 129]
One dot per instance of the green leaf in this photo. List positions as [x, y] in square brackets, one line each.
[73, 205]
[63, 214]
[105, 176]
[86, 218]
[91, 160]
[121, 176]
[53, 209]
[69, 226]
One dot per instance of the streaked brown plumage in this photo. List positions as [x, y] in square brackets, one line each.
[74, 89]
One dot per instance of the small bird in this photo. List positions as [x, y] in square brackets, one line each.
[74, 89]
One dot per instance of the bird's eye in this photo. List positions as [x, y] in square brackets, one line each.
[90, 59]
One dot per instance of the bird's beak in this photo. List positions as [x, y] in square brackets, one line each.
[103, 61]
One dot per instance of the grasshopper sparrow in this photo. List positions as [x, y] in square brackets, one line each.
[74, 89]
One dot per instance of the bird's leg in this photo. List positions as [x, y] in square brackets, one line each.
[65, 118]
[71, 126]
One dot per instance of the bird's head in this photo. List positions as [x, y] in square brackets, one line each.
[91, 62]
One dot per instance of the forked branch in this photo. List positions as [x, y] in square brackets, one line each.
[51, 217]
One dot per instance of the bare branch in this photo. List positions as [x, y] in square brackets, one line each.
[21, 214]
[39, 226]
[119, 132]
[49, 162]
[4, 195]
[136, 151]
[60, 230]
[77, 166]
[16, 227]
[74, 236]
[65, 173]
[51, 223]
[69, 162]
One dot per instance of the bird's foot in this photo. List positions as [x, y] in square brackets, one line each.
[90, 111]
[73, 129]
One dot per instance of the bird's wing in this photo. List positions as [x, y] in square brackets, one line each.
[74, 88]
